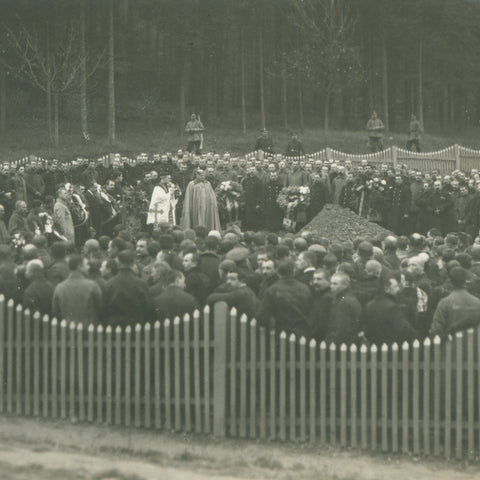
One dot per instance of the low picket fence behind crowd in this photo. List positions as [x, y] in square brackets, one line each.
[214, 373]
[444, 161]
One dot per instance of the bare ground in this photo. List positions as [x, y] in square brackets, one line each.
[36, 449]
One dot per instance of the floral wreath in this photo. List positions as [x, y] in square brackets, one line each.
[291, 197]
[229, 197]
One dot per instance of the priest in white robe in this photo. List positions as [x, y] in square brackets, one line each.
[162, 203]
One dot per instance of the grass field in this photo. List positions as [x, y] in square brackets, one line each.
[134, 138]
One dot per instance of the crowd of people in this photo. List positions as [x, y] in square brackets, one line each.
[211, 228]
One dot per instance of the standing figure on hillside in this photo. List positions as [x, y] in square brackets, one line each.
[294, 147]
[200, 204]
[195, 130]
[415, 130]
[264, 142]
[375, 129]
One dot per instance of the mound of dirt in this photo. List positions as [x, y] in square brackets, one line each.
[340, 224]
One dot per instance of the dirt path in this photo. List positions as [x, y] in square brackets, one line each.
[34, 449]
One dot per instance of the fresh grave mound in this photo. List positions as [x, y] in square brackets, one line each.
[341, 224]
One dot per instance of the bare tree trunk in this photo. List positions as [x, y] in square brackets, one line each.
[183, 92]
[83, 74]
[111, 77]
[49, 111]
[262, 87]
[326, 112]
[385, 80]
[445, 106]
[242, 79]
[420, 81]
[49, 89]
[55, 117]
[300, 104]
[3, 100]
[284, 93]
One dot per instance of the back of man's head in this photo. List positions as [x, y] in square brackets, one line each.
[272, 239]
[91, 246]
[310, 258]
[259, 239]
[447, 254]
[464, 259]
[104, 240]
[211, 243]
[402, 243]
[29, 252]
[417, 240]
[365, 249]
[126, 258]
[286, 267]
[347, 248]
[282, 252]
[153, 248]
[5, 252]
[40, 241]
[34, 268]
[373, 268]
[119, 244]
[337, 249]
[475, 253]
[94, 265]
[451, 240]
[58, 250]
[458, 277]
[200, 231]
[390, 243]
[300, 244]
[166, 241]
[75, 262]
[172, 276]
[453, 264]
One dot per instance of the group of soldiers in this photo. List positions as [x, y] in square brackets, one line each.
[100, 196]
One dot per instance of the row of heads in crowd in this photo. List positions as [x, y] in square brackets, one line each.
[377, 173]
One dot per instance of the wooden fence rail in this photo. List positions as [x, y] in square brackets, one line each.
[228, 376]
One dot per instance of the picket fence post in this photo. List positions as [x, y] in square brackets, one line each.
[394, 151]
[456, 150]
[220, 316]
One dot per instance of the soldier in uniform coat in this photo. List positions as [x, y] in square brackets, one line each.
[294, 147]
[441, 209]
[264, 142]
[318, 195]
[253, 192]
[399, 206]
[273, 212]
[62, 218]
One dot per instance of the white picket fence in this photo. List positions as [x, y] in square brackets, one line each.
[216, 373]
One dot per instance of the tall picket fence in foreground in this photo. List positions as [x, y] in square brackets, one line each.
[214, 373]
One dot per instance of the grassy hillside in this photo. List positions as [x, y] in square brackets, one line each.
[135, 139]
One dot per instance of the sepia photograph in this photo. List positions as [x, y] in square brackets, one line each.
[239, 239]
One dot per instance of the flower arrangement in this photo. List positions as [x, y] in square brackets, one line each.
[229, 199]
[291, 197]
[18, 240]
[294, 201]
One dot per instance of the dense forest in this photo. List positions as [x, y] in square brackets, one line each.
[292, 63]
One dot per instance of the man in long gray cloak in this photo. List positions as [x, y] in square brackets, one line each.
[200, 204]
